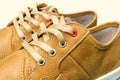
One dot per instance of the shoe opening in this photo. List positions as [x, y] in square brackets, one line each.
[83, 19]
[106, 34]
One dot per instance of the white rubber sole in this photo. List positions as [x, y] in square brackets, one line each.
[113, 75]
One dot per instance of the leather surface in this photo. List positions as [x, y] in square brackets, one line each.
[52, 67]
[84, 58]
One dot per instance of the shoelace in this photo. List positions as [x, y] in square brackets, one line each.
[24, 18]
[58, 25]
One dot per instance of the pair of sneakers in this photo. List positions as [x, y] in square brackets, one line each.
[42, 44]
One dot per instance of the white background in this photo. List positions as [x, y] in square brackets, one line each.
[107, 10]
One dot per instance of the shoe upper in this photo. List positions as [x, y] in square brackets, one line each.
[85, 55]
[11, 41]
[56, 67]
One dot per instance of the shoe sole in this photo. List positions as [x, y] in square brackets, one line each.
[113, 75]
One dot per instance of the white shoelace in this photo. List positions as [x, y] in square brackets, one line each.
[58, 25]
[24, 18]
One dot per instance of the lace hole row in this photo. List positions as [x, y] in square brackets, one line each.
[41, 62]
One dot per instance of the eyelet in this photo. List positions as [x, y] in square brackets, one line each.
[62, 44]
[74, 34]
[53, 9]
[52, 53]
[41, 62]
[23, 38]
[32, 32]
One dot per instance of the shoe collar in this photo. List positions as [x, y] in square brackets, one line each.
[108, 44]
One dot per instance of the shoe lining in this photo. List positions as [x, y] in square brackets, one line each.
[83, 19]
[106, 34]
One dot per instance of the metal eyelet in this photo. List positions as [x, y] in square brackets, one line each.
[23, 38]
[53, 9]
[52, 53]
[62, 44]
[41, 62]
[32, 32]
[74, 34]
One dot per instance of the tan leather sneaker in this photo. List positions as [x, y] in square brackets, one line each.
[65, 51]
[30, 22]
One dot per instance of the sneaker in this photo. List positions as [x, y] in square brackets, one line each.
[65, 51]
[27, 26]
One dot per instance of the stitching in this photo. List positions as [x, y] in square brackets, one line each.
[22, 67]
[29, 76]
[21, 77]
[30, 69]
